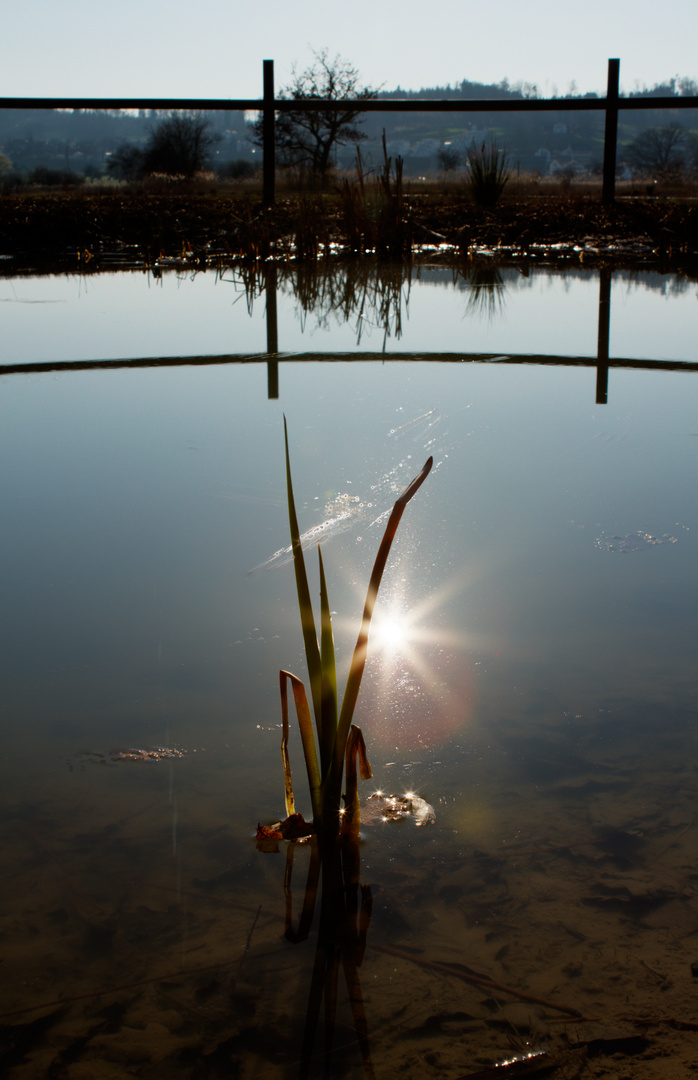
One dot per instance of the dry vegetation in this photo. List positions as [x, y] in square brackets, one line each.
[381, 216]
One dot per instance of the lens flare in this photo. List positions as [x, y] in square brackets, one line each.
[418, 686]
[390, 636]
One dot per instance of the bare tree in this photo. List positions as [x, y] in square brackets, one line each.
[306, 138]
[660, 152]
[448, 158]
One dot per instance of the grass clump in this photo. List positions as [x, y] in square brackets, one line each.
[488, 173]
[373, 214]
[338, 740]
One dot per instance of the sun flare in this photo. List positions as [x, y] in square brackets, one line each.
[390, 634]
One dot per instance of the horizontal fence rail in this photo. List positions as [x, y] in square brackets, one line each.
[388, 105]
[269, 105]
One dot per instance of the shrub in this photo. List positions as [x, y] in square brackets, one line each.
[660, 152]
[236, 170]
[178, 147]
[65, 178]
[126, 162]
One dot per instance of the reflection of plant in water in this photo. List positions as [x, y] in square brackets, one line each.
[486, 290]
[345, 913]
[250, 281]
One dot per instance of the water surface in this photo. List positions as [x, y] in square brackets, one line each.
[541, 698]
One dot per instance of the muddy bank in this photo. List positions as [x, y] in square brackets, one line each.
[70, 230]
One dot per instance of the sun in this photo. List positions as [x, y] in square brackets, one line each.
[391, 635]
[419, 681]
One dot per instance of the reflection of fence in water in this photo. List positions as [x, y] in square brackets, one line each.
[375, 295]
[379, 290]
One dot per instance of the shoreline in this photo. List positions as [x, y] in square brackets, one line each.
[91, 232]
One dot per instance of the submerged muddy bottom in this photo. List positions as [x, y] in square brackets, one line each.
[551, 907]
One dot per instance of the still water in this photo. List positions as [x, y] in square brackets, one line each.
[534, 679]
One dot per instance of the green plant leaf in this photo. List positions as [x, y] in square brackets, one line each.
[329, 676]
[358, 661]
[312, 651]
[325, 781]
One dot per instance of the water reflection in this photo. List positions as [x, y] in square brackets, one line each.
[349, 511]
[409, 309]
[540, 693]
[487, 295]
[344, 919]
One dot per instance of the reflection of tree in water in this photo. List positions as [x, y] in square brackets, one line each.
[372, 297]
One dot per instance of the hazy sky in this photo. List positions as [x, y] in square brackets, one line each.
[215, 48]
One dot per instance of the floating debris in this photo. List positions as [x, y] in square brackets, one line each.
[130, 753]
[148, 753]
[295, 827]
[380, 807]
[637, 541]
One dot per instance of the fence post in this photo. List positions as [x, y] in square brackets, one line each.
[608, 193]
[268, 134]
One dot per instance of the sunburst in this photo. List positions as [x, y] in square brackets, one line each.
[418, 687]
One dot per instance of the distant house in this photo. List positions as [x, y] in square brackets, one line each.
[398, 148]
[546, 158]
[473, 137]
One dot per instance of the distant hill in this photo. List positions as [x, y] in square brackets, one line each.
[83, 140]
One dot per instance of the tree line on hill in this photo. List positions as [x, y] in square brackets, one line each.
[64, 146]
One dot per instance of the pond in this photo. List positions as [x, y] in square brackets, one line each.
[532, 674]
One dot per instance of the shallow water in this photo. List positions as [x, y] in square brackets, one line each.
[541, 695]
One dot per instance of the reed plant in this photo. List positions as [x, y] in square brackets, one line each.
[488, 173]
[311, 229]
[334, 738]
[374, 216]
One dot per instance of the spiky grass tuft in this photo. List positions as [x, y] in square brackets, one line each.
[488, 173]
[337, 738]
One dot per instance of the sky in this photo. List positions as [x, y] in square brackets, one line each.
[215, 48]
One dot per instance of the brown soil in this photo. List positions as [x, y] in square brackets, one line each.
[67, 229]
